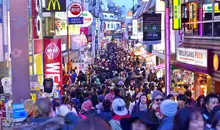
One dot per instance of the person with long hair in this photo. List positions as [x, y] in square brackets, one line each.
[141, 105]
[188, 118]
[200, 102]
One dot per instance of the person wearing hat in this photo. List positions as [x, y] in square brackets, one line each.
[141, 120]
[157, 97]
[168, 108]
[119, 111]
[87, 110]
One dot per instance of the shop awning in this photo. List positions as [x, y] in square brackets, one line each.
[142, 9]
[191, 67]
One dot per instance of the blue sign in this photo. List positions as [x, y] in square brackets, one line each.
[75, 20]
[19, 111]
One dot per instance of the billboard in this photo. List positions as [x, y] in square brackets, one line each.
[53, 60]
[151, 28]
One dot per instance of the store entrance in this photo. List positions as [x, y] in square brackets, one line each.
[197, 83]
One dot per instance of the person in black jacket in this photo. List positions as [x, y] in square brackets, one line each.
[141, 105]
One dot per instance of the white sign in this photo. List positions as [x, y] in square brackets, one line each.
[179, 36]
[196, 57]
[87, 19]
[134, 27]
[64, 47]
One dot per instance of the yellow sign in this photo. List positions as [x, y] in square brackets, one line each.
[177, 15]
[53, 3]
[215, 62]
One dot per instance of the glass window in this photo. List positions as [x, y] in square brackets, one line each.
[188, 30]
[108, 25]
[207, 29]
[217, 29]
[207, 10]
[196, 29]
[217, 10]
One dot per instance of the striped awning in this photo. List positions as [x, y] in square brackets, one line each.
[145, 5]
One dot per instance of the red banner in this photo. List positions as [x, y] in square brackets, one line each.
[38, 46]
[53, 60]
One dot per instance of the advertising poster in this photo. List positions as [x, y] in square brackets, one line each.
[151, 28]
[53, 60]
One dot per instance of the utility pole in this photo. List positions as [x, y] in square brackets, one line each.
[167, 47]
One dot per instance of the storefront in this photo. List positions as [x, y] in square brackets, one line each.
[195, 70]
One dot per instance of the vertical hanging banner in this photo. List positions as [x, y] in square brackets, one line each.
[151, 28]
[134, 27]
[53, 60]
[177, 15]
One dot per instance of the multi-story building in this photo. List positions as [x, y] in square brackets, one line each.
[201, 45]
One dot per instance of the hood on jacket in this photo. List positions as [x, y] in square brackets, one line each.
[56, 123]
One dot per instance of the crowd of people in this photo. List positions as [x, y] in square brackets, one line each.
[121, 94]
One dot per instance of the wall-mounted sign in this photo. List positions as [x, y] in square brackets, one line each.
[38, 25]
[53, 60]
[55, 6]
[61, 27]
[134, 27]
[196, 57]
[87, 19]
[151, 28]
[60, 15]
[64, 47]
[75, 20]
[177, 15]
[76, 9]
[216, 62]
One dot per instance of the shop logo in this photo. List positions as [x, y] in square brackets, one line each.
[53, 3]
[52, 51]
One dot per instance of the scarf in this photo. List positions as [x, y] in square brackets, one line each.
[143, 107]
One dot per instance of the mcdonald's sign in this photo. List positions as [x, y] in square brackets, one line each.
[55, 6]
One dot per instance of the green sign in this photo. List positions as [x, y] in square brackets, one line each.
[177, 15]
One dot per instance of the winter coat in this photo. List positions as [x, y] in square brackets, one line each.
[136, 108]
[115, 124]
[166, 123]
[115, 121]
[56, 123]
[105, 115]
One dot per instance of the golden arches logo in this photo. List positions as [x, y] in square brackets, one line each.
[54, 3]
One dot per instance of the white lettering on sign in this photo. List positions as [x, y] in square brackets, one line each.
[54, 69]
[192, 56]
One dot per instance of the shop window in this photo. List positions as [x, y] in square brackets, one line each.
[207, 29]
[196, 29]
[217, 29]
[188, 30]
[217, 11]
[207, 9]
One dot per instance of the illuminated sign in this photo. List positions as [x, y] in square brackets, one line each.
[193, 14]
[177, 16]
[216, 62]
[190, 56]
[55, 6]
